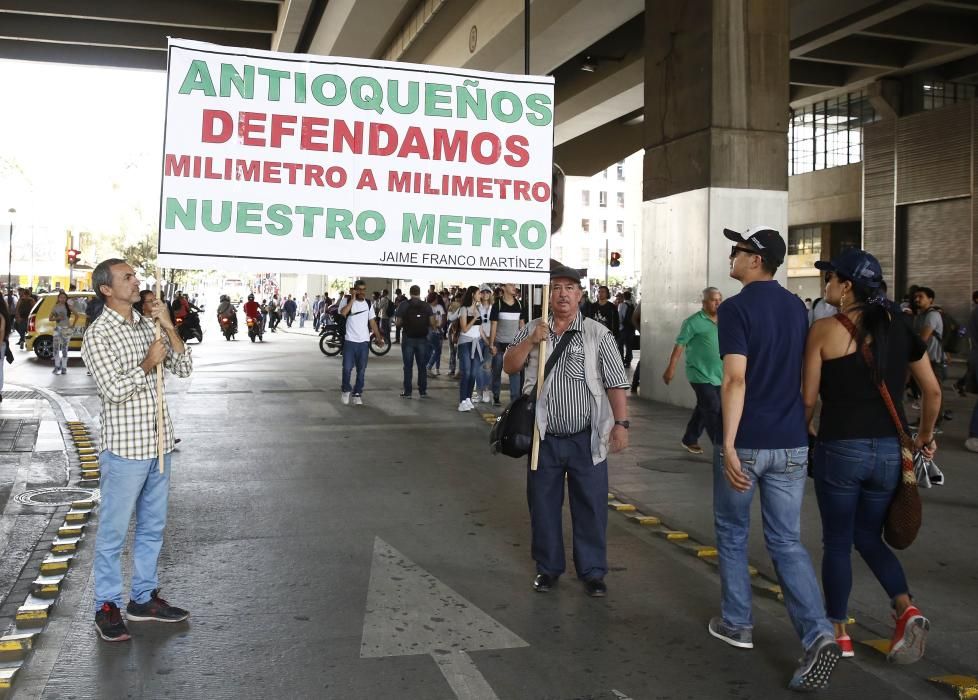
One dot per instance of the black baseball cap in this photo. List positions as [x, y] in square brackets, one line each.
[857, 266]
[765, 240]
[565, 272]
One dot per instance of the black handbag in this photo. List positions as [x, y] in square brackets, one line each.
[512, 433]
[8, 354]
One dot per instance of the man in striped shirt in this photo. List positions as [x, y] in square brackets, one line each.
[582, 416]
[120, 351]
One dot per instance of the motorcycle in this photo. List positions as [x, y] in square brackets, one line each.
[332, 331]
[189, 327]
[229, 323]
[254, 329]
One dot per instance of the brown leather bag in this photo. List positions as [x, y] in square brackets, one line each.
[905, 514]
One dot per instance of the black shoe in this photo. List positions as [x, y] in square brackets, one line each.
[155, 610]
[595, 587]
[109, 623]
[544, 582]
[423, 394]
[405, 396]
[496, 401]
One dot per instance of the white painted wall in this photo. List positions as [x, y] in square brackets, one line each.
[684, 251]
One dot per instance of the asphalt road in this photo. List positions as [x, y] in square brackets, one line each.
[330, 551]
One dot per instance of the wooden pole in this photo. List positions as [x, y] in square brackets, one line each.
[541, 362]
[160, 423]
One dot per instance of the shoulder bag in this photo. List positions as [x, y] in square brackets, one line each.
[512, 433]
[905, 514]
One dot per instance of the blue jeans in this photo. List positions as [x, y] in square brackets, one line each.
[780, 477]
[302, 320]
[128, 485]
[854, 482]
[466, 371]
[515, 380]
[434, 350]
[483, 369]
[706, 415]
[587, 489]
[355, 354]
[413, 352]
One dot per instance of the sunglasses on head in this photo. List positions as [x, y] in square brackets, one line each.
[740, 249]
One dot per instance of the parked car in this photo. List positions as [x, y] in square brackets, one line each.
[40, 330]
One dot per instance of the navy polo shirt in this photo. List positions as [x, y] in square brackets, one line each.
[769, 325]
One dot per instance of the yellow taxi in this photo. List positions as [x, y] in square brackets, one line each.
[40, 330]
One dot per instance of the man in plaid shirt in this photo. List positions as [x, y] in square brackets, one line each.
[120, 351]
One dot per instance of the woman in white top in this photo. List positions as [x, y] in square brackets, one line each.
[469, 348]
[61, 316]
[483, 375]
[435, 335]
[305, 310]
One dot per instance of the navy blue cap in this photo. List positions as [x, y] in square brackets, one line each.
[857, 266]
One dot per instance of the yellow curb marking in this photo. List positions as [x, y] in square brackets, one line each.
[7, 676]
[677, 536]
[966, 687]
[88, 458]
[880, 645]
[645, 519]
[82, 505]
[622, 507]
[703, 552]
[77, 516]
[70, 530]
[17, 642]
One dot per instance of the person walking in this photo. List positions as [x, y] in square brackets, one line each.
[4, 338]
[451, 317]
[384, 309]
[929, 325]
[62, 315]
[626, 325]
[399, 299]
[857, 465]
[120, 350]
[435, 335]
[469, 348]
[581, 414]
[604, 311]
[414, 319]
[360, 325]
[274, 313]
[507, 317]
[704, 370]
[483, 370]
[25, 303]
[305, 310]
[289, 307]
[762, 333]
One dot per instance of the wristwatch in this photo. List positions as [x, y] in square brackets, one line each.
[623, 423]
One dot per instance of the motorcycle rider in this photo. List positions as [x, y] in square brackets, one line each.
[253, 311]
[226, 309]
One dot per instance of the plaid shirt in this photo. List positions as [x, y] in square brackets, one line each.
[112, 349]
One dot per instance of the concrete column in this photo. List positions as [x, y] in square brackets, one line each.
[716, 114]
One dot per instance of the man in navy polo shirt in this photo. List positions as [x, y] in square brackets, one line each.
[762, 333]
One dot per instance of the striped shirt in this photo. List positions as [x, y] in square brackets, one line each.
[569, 405]
[112, 349]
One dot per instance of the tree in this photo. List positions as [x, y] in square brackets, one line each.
[141, 255]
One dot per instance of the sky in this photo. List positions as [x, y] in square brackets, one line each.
[80, 146]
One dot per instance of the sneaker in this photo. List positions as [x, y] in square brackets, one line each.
[817, 666]
[465, 405]
[431, 373]
[845, 644]
[345, 398]
[487, 396]
[740, 638]
[155, 610]
[693, 449]
[422, 394]
[971, 444]
[496, 401]
[437, 372]
[909, 637]
[405, 396]
[109, 623]
[357, 400]
[56, 370]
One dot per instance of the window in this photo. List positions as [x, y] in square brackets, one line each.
[828, 133]
[585, 225]
[621, 200]
[602, 199]
[805, 240]
[620, 168]
[937, 93]
[585, 255]
[620, 227]
[604, 226]
[586, 198]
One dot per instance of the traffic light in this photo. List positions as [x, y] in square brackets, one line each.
[615, 259]
[72, 256]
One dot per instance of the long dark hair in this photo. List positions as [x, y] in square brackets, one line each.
[469, 297]
[874, 322]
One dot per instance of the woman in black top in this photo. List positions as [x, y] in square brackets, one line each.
[857, 463]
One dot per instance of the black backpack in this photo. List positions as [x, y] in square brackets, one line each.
[415, 319]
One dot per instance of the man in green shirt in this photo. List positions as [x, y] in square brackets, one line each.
[704, 370]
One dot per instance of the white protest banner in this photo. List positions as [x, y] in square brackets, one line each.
[295, 163]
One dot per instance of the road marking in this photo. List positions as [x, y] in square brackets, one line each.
[410, 612]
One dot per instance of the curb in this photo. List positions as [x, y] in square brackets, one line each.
[39, 605]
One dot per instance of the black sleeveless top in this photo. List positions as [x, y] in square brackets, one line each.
[852, 407]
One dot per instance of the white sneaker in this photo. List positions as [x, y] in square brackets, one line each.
[971, 444]
[486, 396]
[345, 398]
[465, 405]
[357, 400]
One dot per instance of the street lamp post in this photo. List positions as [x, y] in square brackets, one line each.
[10, 254]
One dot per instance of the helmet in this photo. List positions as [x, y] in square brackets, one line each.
[251, 297]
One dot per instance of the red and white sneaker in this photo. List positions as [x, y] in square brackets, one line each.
[909, 637]
[845, 643]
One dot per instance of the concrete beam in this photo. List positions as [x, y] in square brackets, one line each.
[619, 93]
[599, 148]
[929, 27]
[359, 28]
[231, 15]
[292, 18]
[78, 54]
[490, 35]
[862, 51]
[816, 73]
[823, 22]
